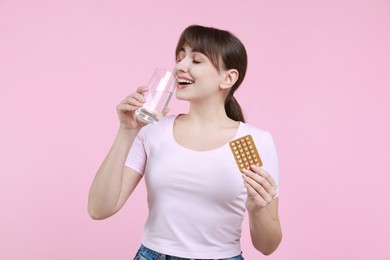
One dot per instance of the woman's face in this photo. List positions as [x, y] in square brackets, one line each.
[197, 76]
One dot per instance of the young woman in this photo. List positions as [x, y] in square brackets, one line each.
[197, 196]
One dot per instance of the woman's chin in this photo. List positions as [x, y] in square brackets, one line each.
[181, 96]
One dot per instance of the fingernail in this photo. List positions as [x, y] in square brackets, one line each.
[255, 167]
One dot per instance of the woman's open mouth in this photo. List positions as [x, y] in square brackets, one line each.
[184, 83]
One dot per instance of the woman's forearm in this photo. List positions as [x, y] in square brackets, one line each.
[106, 187]
[266, 233]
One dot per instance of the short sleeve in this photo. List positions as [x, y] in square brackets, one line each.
[269, 157]
[136, 159]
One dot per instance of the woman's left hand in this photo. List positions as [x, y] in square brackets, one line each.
[261, 188]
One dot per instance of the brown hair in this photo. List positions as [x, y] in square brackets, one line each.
[218, 44]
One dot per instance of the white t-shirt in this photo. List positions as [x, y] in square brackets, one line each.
[196, 199]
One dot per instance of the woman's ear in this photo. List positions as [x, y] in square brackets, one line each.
[230, 77]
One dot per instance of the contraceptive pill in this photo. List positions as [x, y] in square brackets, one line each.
[245, 152]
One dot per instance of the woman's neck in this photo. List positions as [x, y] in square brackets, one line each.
[208, 114]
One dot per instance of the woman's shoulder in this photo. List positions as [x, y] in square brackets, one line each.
[252, 129]
[257, 133]
[164, 122]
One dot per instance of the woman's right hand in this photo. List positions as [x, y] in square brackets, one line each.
[127, 107]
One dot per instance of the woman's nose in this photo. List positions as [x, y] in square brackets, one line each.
[182, 65]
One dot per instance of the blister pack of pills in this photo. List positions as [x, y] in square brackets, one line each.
[245, 152]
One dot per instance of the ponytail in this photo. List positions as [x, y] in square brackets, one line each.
[233, 109]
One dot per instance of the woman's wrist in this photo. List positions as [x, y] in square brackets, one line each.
[123, 129]
[257, 212]
[129, 127]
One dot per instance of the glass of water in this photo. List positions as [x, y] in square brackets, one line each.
[161, 87]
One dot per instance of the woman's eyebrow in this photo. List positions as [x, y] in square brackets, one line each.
[192, 50]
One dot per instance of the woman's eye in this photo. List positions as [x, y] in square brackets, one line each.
[179, 57]
[196, 61]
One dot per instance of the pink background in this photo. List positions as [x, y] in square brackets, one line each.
[318, 80]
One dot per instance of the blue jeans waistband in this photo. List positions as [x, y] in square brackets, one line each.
[145, 253]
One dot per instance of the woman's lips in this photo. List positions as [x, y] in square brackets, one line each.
[184, 82]
[183, 86]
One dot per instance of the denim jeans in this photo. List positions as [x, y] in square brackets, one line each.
[145, 253]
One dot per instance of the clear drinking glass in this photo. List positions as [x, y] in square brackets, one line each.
[161, 88]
